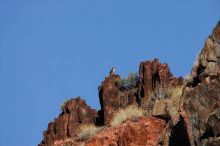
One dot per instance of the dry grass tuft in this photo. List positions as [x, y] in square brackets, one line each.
[86, 131]
[173, 104]
[174, 92]
[127, 113]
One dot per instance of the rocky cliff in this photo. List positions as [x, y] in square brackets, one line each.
[174, 111]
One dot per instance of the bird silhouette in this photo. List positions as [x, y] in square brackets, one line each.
[112, 71]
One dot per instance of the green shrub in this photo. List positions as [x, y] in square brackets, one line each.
[128, 83]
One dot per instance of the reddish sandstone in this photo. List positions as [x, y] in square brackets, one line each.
[146, 131]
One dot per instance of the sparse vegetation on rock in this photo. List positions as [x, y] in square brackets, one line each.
[174, 92]
[128, 83]
[85, 131]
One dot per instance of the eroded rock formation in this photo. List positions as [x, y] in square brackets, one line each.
[154, 77]
[75, 112]
[202, 93]
[180, 112]
[112, 98]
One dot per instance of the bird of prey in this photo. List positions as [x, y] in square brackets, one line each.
[112, 71]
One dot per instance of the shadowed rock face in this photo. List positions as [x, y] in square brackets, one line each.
[75, 113]
[201, 96]
[154, 76]
[190, 119]
[179, 135]
[199, 103]
[111, 98]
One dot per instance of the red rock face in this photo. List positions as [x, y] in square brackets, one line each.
[153, 77]
[191, 119]
[201, 96]
[111, 98]
[217, 31]
[144, 132]
[75, 113]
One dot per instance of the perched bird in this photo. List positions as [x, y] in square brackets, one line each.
[112, 71]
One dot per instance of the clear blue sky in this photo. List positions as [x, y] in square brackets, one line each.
[51, 50]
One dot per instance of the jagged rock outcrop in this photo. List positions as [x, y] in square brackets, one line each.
[112, 98]
[146, 131]
[201, 95]
[154, 76]
[179, 112]
[75, 113]
[155, 90]
[207, 65]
